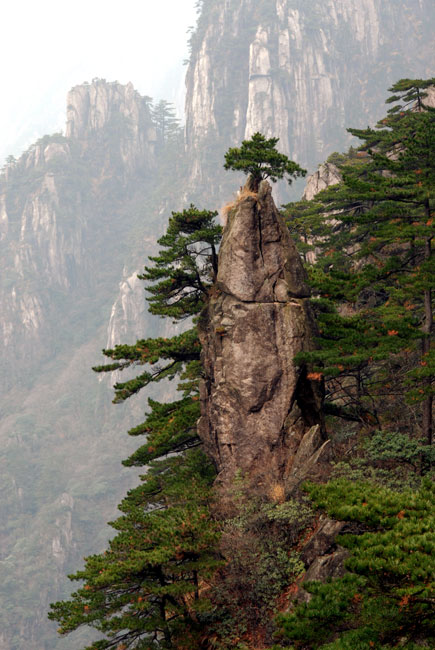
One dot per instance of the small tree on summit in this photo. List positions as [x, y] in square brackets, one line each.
[259, 158]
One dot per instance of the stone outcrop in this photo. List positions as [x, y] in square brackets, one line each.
[327, 175]
[261, 413]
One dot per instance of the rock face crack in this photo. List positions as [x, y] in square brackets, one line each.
[257, 405]
[260, 238]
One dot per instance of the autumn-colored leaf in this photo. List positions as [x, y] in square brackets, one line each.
[404, 601]
[315, 376]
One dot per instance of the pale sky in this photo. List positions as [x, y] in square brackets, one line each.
[48, 46]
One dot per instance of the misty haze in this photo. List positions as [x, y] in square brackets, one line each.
[276, 347]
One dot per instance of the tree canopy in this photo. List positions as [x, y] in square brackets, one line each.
[186, 265]
[374, 272]
[386, 598]
[260, 158]
[144, 591]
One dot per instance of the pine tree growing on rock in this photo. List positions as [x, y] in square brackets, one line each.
[260, 159]
[387, 597]
[375, 259]
[144, 591]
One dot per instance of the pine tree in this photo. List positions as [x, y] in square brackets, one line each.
[187, 264]
[260, 159]
[387, 597]
[166, 123]
[145, 590]
[375, 259]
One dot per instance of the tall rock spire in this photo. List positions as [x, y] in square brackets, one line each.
[261, 413]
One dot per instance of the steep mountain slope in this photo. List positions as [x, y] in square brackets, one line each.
[78, 215]
[78, 212]
[58, 203]
[301, 70]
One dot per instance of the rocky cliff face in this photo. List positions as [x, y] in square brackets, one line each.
[54, 215]
[327, 175]
[301, 70]
[261, 414]
[94, 108]
[68, 208]
[39, 256]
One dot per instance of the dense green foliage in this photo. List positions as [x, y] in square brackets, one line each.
[374, 269]
[387, 598]
[260, 159]
[187, 265]
[174, 576]
[144, 592]
[369, 241]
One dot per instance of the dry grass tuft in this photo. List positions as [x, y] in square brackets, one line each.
[228, 208]
[245, 194]
[277, 493]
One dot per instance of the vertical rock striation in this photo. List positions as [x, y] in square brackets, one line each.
[56, 203]
[261, 414]
[300, 70]
[97, 107]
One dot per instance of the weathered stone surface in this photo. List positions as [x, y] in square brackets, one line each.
[257, 405]
[258, 261]
[327, 566]
[312, 454]
[322, 557]
[324, 567]
[327, 175]
[323, 540]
